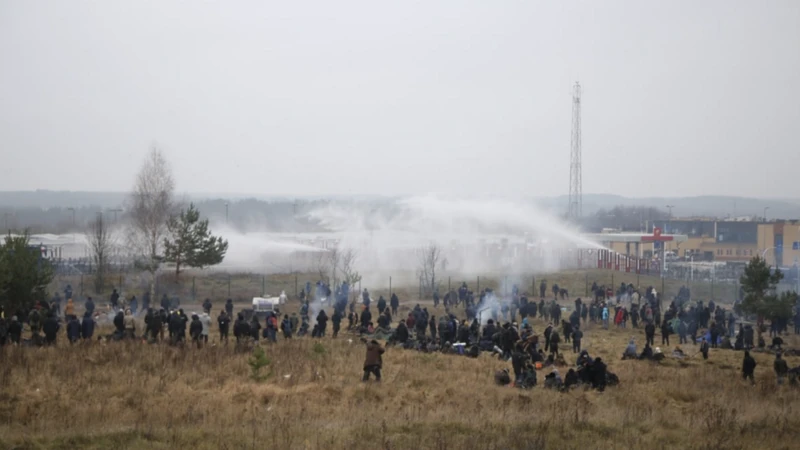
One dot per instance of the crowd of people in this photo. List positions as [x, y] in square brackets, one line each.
[466, 325]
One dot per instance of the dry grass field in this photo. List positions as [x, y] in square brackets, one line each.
[138, 396]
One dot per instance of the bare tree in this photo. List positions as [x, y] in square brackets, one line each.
[349, 272]
[152, 204]
[101, 244]
[321, 265]
[334, 262]
[429, 256]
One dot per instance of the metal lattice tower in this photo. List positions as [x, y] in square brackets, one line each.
[575, 181]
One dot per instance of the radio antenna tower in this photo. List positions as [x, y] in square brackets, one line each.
[575, 181]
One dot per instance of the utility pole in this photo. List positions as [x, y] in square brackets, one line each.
[115, 211]
[575, 176]
[73, 215]
[226, 213]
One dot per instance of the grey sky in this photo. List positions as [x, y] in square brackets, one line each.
[680, 98]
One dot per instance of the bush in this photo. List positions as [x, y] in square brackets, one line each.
[258, 361]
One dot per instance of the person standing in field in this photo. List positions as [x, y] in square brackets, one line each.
[206, 321]
[748, 367]
[224, 322]
[373, 361]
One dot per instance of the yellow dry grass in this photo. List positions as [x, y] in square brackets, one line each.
[138, 396]
[142, 396]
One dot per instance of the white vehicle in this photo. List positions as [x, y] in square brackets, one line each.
[263, 306]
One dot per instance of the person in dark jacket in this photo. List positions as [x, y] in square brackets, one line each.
[704, 348]
[336, 319]
[286, 326]
[381, 304]
[224, 323]
[89, 306]
[571, 379]
[207, 306]
[241, 329]
[366, 318]
[87, 326]
[577, 336]
[255, 328]
[196, 330]
[781, 368]
[598, 373]
[15, 330]
[322, 322]
[152, 324]
[518, 360]
[748, 367]
[566, 328]
[50, 329]
[401, 333]
[394, 302]
[373, 361]
[650, 333]
[229, 308]
[665, 333]
[73, 329]
[554, 341]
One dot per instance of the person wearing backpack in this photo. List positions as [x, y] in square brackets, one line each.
[272, 327]
[286, 327]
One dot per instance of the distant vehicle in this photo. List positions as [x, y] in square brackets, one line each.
[262, 306]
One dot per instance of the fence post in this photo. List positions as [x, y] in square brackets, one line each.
[229, 285]
[263, 284]
[586, 283]
[81, 285]
[295, 284]
[390, 285]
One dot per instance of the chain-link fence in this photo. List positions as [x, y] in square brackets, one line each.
[195, 287]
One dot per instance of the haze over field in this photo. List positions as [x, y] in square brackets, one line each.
[356, 97]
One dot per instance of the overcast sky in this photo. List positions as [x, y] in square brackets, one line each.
[342, 97]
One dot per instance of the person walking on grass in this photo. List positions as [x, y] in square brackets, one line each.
[373, 361]
[781, 368]
[704, 348]
[748, 367]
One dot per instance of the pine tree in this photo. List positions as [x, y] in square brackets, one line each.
[759, 285]
[190, 243]
[24, 273]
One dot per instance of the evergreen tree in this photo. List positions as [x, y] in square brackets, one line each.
[24, 273]
[759, 285]
[190, 243]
